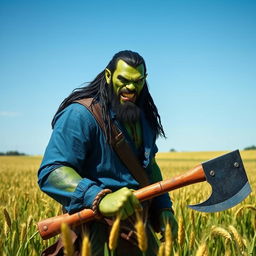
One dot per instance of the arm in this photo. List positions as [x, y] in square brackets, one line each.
[62, 174]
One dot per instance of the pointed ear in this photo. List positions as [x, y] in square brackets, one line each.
[108, 75]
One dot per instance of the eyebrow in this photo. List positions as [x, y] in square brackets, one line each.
[125, 79]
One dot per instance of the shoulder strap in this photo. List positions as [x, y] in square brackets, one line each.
[118, 143]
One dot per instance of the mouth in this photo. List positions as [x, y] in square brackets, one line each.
[131, 96]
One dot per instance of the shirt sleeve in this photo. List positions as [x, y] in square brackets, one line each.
[69, 145]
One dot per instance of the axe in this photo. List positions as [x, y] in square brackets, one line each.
[226, 175]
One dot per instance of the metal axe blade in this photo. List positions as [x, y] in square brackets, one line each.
[227, 176]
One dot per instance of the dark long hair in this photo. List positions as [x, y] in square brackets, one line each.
[98, 90]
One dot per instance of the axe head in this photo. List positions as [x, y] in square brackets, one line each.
[226, 175]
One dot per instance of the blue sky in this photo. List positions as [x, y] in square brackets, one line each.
[200, 55]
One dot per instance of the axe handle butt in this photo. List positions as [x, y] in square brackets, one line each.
[51, 226]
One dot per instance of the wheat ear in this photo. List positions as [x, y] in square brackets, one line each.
[237, 237]
[181, 232]
[248, 206]
[114, 233]
[202, 250]
[168, 239]
[7, 218]
[67, 240]
[23, 231]
[161, 250]
[192, 240]
[141, 233]
[86, 246]
[221, 232]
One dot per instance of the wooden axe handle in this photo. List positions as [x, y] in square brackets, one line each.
[51, 226]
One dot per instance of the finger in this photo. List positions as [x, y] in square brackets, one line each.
[128, 208]
[130, 205]
[123, 214]
[136, 203]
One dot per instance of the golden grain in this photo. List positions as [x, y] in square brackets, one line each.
[86, 246]
[221, 232]
[18, 175]
[6, 228]
[29, 221]
[168, 239]
[67, 240]
[238, 239]
[192, 240]
[114, 233]
[192, 218]
[161, 250]
[202, 250]
[7, 218]
[141, 233]
[228, 252]
[181, 231]
[23, 231]
[251, 207]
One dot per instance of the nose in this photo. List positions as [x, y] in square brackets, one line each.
[131, 87]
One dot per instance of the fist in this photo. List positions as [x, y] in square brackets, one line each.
[122, 201]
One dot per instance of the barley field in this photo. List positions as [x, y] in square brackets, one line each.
[231, 232]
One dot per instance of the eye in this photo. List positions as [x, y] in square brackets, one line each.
[123, 80]
[140, 81]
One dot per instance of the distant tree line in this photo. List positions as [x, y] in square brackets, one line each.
[250, 148]
[253, 147]
[12, 153]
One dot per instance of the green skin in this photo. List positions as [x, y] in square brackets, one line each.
[123, 200]
[126, 77]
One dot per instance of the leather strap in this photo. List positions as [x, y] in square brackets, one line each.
[118, 143]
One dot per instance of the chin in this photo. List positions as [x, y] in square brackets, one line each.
[126, 111]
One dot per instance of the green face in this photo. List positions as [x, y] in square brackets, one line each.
[127, 81]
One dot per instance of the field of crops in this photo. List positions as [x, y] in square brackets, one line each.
[231, 232]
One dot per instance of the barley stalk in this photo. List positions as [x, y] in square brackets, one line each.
[181, 231]
[249, 206]
[141, 233]
[13, 239]
[67, 240]
[86, 246]
[23, 232]
[192, 240]
[221, 232]
[237, 237]
[168, 239]
[228, 252]
[15, 210]
[161, 250]
[7, 218]
[29, 221]
[192, 218]
[17, 176]
[114, 233]
[6, 228]
[202, 250]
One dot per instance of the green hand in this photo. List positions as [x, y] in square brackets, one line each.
[122, 200]
[167, 216]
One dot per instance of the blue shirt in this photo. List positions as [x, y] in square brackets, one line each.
[77, 141]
